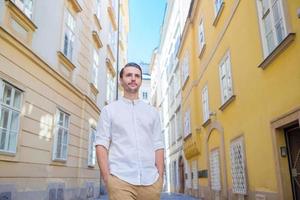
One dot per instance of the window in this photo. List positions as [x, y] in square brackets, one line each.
[187, 123]
[214, 160]
[177, 82]
[9, 116]
[272, 24]
[112, 38]
[225, 79]
[95, 69]
[178, 124]
[218, 5]
[145, 95]
[172, 128]
[110, 88]
[98, 8]
[171, 97]
[205, 105]
[201, 36]
[61, 136]
[25, 6]
[239, 185]
[69, 35]
[91, 148]
[185, 68]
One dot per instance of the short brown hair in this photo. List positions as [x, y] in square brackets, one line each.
[131, 64]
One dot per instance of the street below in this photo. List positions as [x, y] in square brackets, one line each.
[165, 196]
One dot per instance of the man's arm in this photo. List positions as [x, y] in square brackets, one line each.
[102, 159]
[158, 146]
[102, 142]
[159, 161]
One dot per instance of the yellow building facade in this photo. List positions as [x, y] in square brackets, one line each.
[240, 99]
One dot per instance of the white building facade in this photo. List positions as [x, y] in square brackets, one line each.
[166, 93]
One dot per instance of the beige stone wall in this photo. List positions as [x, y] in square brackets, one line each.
[31, 173]
[44, 91]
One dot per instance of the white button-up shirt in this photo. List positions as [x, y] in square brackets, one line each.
[131, 132]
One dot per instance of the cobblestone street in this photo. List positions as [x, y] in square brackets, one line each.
[166, 196]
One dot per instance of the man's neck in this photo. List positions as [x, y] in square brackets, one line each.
[130, 96]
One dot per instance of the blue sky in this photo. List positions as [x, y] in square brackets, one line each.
[146, 17]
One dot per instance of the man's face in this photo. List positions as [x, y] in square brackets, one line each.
[131, 80]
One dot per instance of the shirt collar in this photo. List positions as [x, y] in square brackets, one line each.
[129, 101]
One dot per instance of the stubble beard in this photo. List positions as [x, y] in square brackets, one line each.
[133, 91]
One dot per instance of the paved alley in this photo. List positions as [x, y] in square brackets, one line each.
[166, 196]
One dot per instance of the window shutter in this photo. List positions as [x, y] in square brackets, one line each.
[229, 79]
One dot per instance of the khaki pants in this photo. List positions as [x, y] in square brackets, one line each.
[121, 190]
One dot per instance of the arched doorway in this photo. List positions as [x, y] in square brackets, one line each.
[181, 174]
[215, 152]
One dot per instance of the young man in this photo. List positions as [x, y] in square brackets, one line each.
[129, 144]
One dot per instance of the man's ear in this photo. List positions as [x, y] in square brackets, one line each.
[120, 81]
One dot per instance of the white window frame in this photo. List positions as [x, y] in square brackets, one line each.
[238, 169]
[95, 68]
[185, 69]
[112, 38]
[110, 88]
[205, 103]
[215, 174]
[178, 124]
[92, 148]
[69, 32]
[98, 8]
[217, 6]
[201, 36]
[63, 154]
[26, 7]
[173, 134]
[187, 123]
[267, 21]
[226, 78]
[172, 91]
[11, 137]
[177, 81]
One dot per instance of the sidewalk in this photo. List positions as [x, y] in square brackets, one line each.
[165, 196]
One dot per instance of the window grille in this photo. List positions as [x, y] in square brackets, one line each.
[214, 160]
[239, 184]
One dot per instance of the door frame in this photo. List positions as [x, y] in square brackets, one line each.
[277, 126]
[289, 156]
[181, 174]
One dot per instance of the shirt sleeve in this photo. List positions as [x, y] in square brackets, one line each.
[103, 135]
[157, 133]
